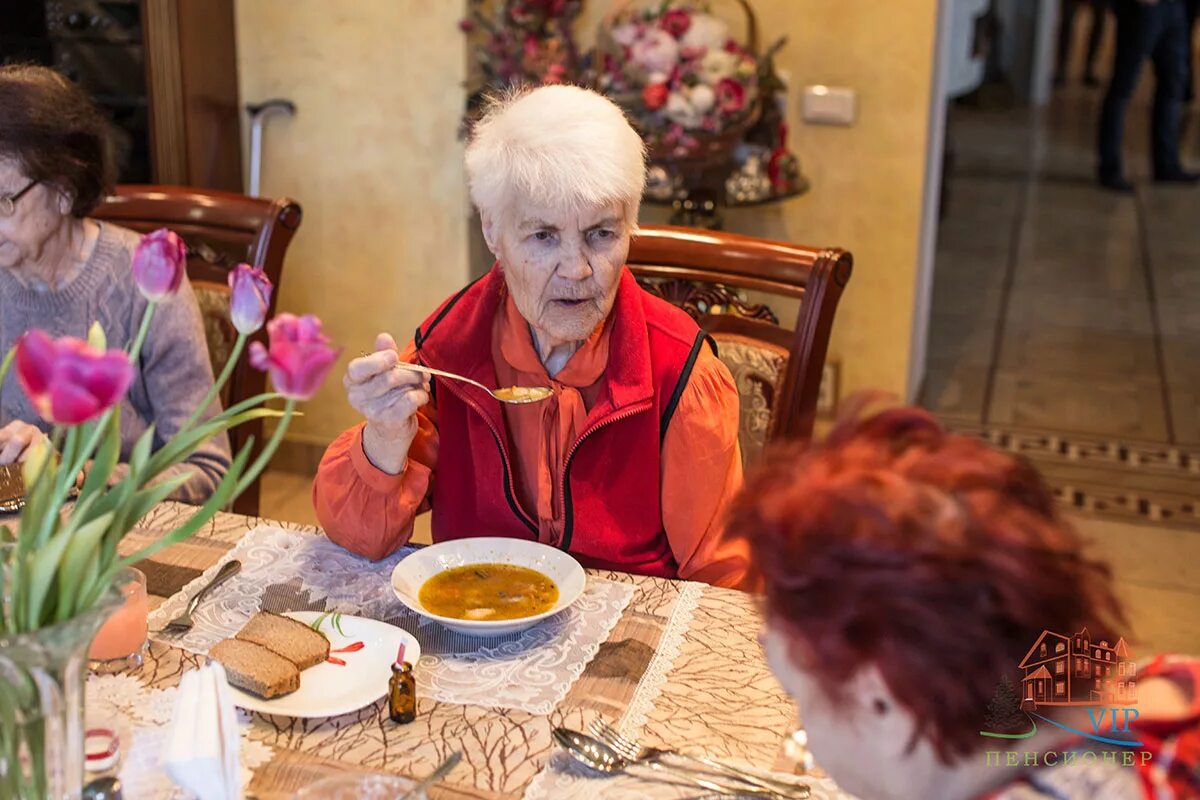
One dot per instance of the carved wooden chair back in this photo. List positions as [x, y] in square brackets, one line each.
[711, 275]
[221, 230]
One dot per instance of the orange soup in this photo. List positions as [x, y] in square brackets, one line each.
[488, 592]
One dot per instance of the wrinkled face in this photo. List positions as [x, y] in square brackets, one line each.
[561, 266]
[37, 217]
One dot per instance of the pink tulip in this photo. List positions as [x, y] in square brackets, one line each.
[250, 298]
[68, 381]
[158, 264]
[299, 357]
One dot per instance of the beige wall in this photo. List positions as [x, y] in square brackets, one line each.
[868, 179]
[373, 157]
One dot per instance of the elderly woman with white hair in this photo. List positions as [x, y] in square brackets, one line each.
[630, 463]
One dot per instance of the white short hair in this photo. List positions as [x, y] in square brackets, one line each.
[558, 146]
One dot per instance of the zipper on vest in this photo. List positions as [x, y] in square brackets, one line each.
[508, 488]
[565, 486]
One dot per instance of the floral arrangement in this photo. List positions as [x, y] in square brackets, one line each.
[679, 73]
[522, 42]
[58, 569]
[61, 563]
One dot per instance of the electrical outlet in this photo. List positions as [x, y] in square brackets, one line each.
[830, 105]
[827, 396]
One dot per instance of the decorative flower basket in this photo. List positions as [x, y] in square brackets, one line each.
[518, 43]
[688, 85]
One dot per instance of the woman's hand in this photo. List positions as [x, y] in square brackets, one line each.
[389, 399]
[15, 440]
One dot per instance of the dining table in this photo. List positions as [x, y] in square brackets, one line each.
[679, 664]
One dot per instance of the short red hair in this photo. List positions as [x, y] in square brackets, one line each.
[929, 555]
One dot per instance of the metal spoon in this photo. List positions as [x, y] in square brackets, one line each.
[442, 771]
[596, 755]
[108, 788]
[517, 395]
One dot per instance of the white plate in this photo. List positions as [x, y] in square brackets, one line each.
[421, 565]
[328, 690]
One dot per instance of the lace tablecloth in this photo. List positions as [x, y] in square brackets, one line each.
[681, 666]
[140, 717]
[288, 571]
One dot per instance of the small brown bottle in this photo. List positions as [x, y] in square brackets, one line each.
[402, 694]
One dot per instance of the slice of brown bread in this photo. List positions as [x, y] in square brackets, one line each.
[293, 640]
[256, 669]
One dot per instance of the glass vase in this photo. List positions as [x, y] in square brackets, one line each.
[42, 676]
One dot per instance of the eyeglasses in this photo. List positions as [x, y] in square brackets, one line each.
[8, 202]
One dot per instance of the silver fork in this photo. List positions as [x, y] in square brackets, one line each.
[183, 623]
[633, 751]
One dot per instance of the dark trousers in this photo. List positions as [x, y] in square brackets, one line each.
[1066, 26]
[1193, 11]
[1159, 32]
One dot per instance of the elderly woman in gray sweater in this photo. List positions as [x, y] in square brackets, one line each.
[61, 271]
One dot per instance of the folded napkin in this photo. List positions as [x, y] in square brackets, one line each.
[202, 751]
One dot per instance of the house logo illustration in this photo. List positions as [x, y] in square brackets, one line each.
[1069, 675]
[1076, 671]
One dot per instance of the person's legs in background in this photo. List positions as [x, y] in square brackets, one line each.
[1171, 55]
[1066, 26]
[1193, 8]
[1135, 39]
[1100, 10]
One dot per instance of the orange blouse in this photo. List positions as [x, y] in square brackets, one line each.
[371, 512]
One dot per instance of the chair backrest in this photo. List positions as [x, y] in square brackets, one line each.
[777, 369]
[221, 230]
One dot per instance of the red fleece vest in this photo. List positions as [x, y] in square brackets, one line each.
[610, 486]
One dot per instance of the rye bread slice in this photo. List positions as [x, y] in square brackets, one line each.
[291, 639]
[256, 669]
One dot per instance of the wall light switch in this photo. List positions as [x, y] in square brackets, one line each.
[830, 105]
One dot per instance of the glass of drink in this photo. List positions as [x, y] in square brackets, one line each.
[121, 642]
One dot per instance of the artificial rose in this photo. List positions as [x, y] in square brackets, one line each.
[158, 264]
[249, 299]
[702, 98]
[676, 21]
[680, 110]
[627, 33]
[654, 96]
[717, 65]
[706, 32]
[67, 380]
[466, 25]
[657, 51]
[731, 96]
[299, 357]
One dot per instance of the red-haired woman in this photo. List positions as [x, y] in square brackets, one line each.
[909, 575]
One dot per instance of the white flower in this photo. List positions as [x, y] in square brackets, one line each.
[702, 98]
[680, 109]
[706, 31]
[625, 35]
[657, 51]
[717, 65]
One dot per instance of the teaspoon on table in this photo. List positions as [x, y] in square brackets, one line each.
[517, 395]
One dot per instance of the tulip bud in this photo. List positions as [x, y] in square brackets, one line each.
[299, 357]
[36, 456]
[158, 264]
[249, 299]
[96, 337]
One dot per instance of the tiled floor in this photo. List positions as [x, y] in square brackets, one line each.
[1066, 326]
[1059, 306]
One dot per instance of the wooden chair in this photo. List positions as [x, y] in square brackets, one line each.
[221, 230]
[777, 369]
